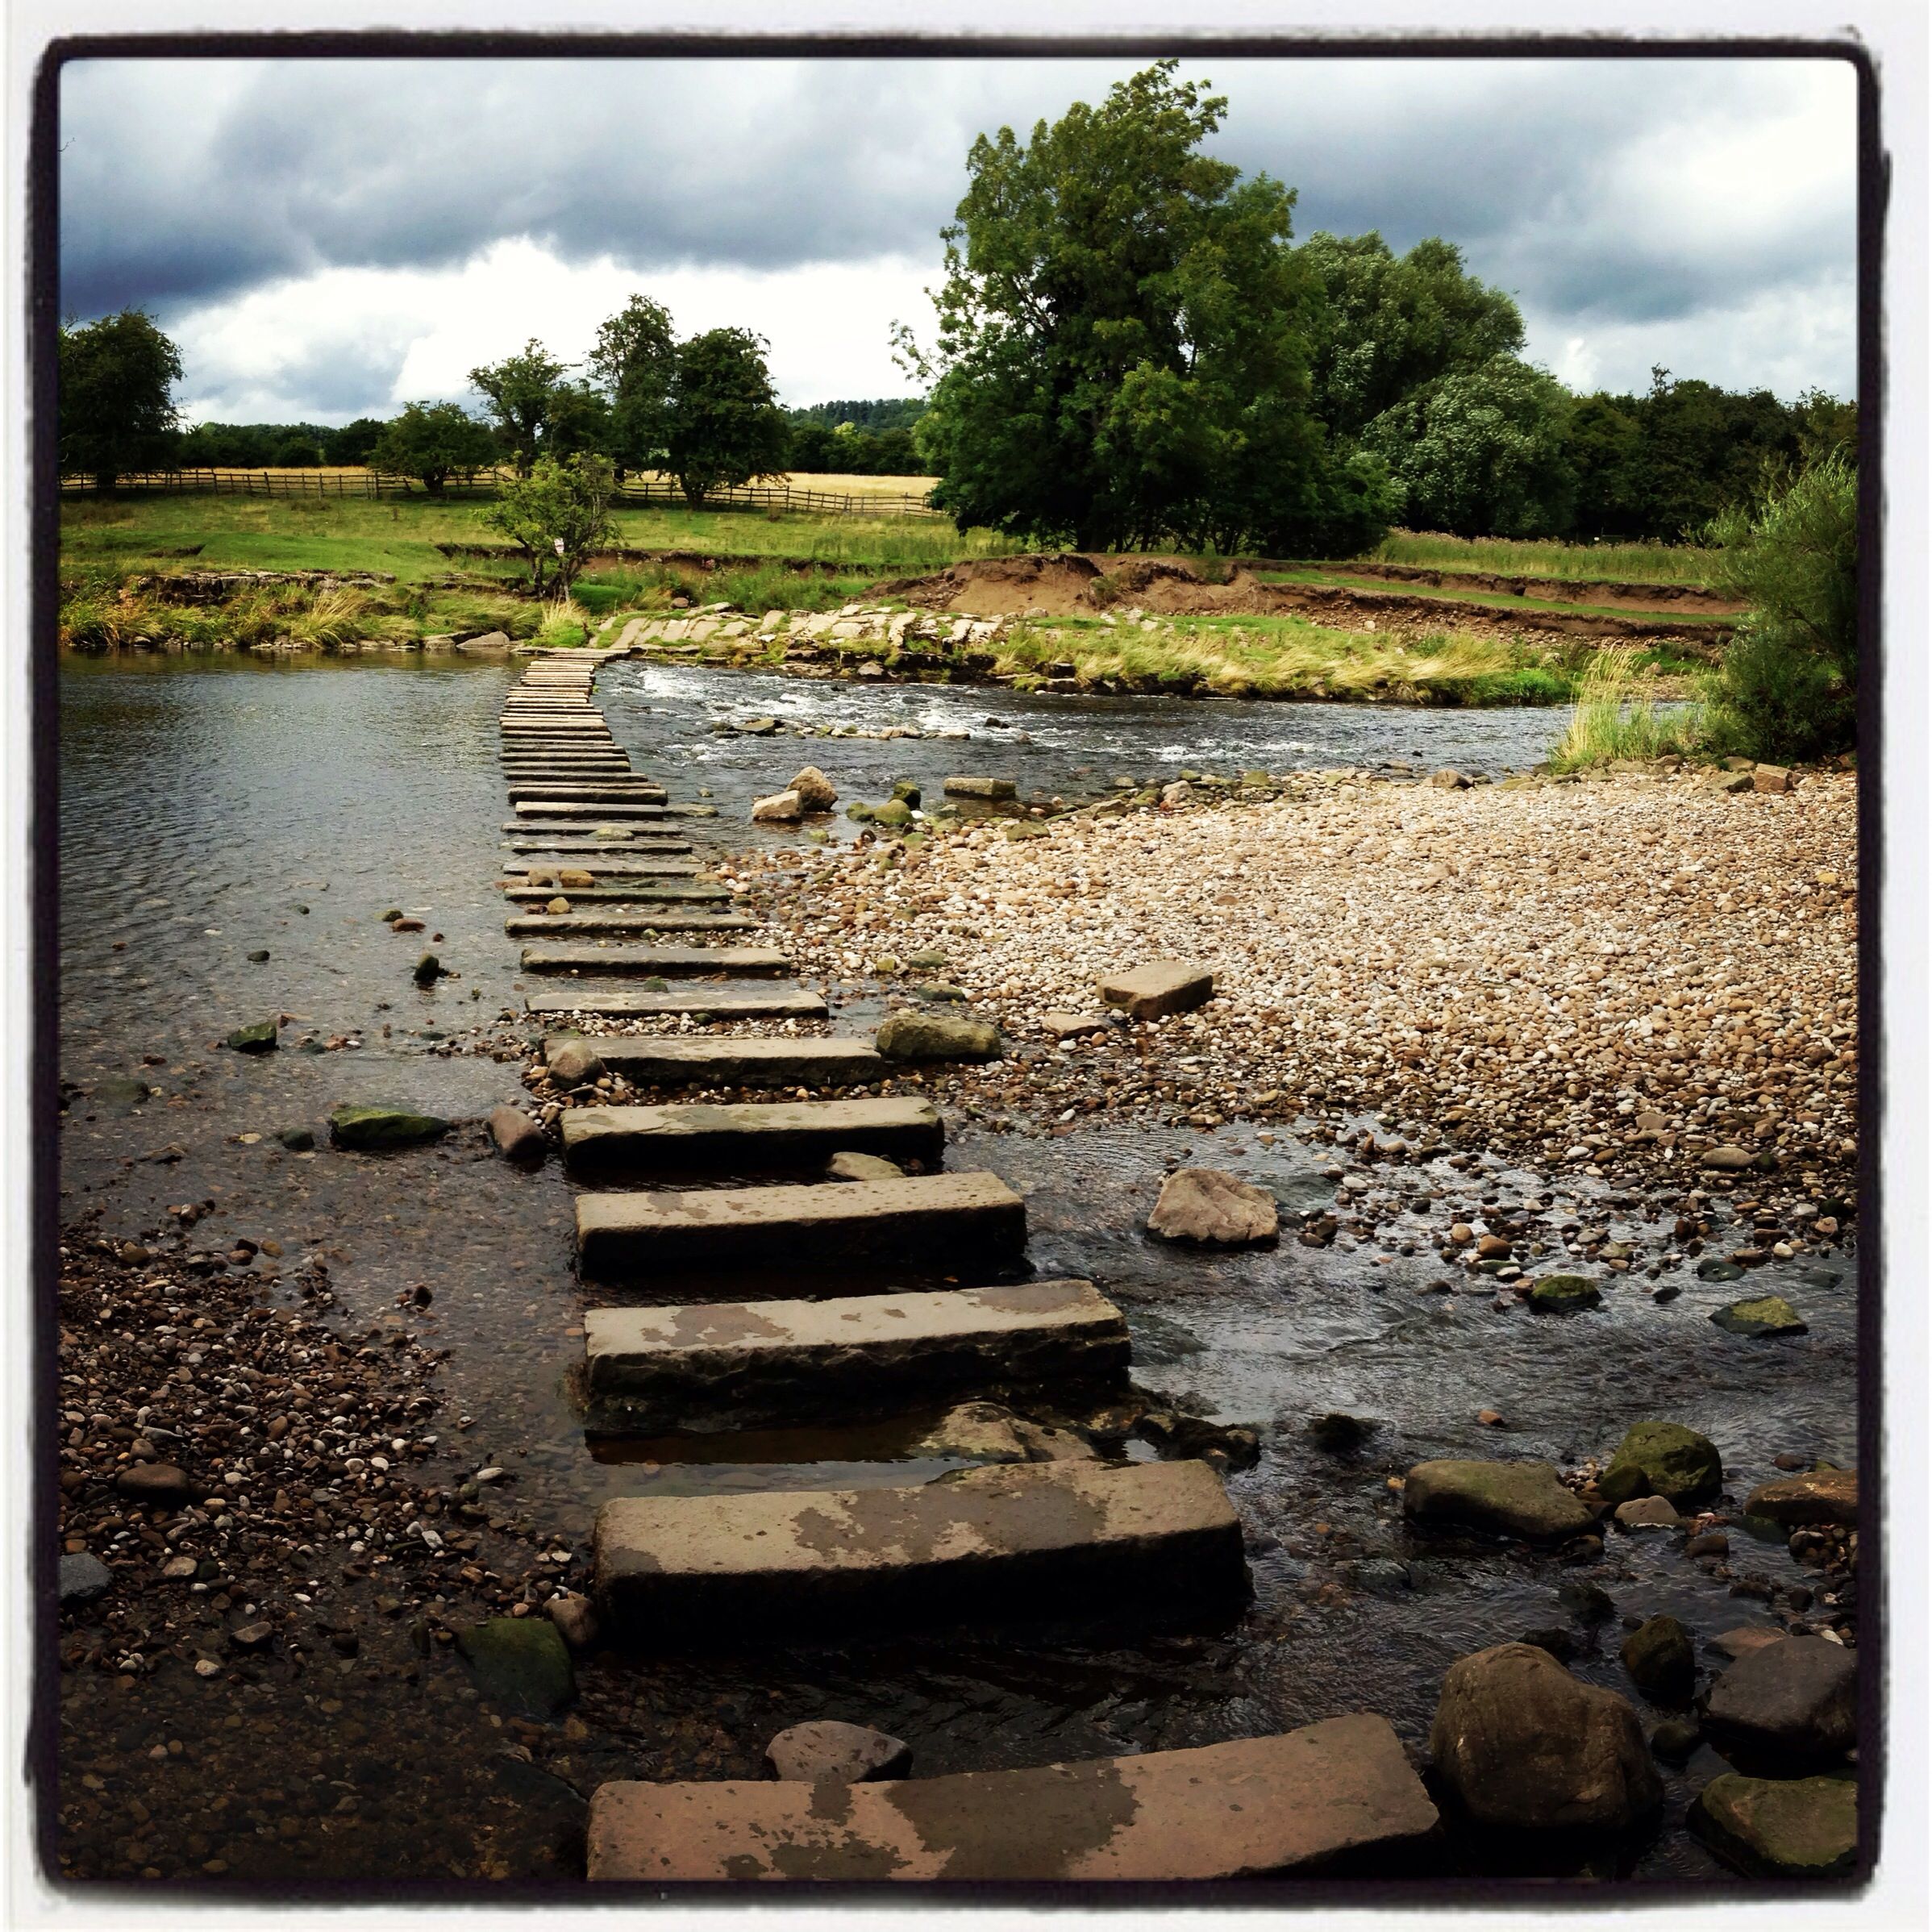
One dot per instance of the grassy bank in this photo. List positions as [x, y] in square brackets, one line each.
[1634, 563]
[1340, 578]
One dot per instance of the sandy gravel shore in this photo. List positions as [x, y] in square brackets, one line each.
[1635, 968]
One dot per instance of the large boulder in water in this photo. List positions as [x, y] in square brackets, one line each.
[1524, 1746]
[1818, 1496]
[1663, 1459]
[1791, 1705]
[1522, 1499]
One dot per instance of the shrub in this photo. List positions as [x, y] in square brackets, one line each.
[1787, 687]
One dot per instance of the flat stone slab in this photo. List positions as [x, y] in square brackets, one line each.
[921, 1217]
[606, 868]
[616, 925]
[1149, 992]
[1027, 1537]
[588, 808]
[571, 849]
[961, 786]
[670, 1062]
[601, 824]
[777, 1359]
[722, 1003]
[604, 1140]
[637, 892]
[616, 791]
[1253, 1808]
[668, 962]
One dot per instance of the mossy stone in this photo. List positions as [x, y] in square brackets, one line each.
[1779, 1827]
[1565, 1294]
[1663, 1459]
[371, 1127]
[260, 1038]
[520, 1664]
[1661, 1663]
[1765, 1315]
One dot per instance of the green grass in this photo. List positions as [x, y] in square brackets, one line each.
[400, 535]
[1290, 657]
[1632, 563]
[1617, 716]
[1501, 599]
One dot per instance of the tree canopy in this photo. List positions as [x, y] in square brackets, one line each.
[521, 393]
[635, 361]
[116, 381]
[1482, 452]
[429, 441]
[1386, 324]
[725, 426]
[1122, 351]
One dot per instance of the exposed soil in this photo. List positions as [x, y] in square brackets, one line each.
[1067, 584]
[1618, 592]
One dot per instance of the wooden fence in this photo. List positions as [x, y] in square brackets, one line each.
[783, 497]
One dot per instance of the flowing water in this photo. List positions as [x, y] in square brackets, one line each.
[214, 808]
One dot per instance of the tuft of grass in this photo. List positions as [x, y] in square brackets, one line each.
[1617, 716]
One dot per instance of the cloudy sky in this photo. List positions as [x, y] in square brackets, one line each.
[326, 239]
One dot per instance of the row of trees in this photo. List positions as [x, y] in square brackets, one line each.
[1131, 350]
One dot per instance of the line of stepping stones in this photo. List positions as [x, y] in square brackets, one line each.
[599, 853]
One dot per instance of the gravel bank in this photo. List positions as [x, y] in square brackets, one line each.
[1631, 972]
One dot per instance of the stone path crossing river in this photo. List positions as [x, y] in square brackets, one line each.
[601, 857]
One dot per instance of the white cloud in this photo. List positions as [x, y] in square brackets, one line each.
[265, 355]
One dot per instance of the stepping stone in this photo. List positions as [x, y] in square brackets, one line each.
[668, 961]
[585, 791]
[687, 892]
[719, 1003]
[672, 1062]
[1148, 992]
[573, 849]
[607, 1141]
[598, 824]
[781, 1359]
[1021, 1538]
[948, 1217]
[614, 868]
[1253, 1808]
[622, 924]
[541, 807]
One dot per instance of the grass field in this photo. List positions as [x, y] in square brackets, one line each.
[1497, 599]
[1630, 563]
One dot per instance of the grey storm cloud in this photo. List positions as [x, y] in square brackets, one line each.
[187, 182]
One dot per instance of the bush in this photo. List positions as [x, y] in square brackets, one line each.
[1787, 688]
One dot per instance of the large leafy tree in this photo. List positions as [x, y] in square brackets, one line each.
[1123, 353]
[430, 441]
[1482, 452]
[116, 379]
[636, 361]
[521, 391]
[1387, 323]
[724, 426]
[557, 516]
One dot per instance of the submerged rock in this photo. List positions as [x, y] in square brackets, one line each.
[376, 1126]
[518, 1138]
[521, 1663]
[1522, 1499]
[1779, 1828]
[1215, 1209]
[1565, 1294]
[1523, 1745]
[1659, 1655]
[261, 1037]
[1663, 1459]
[1766, 1315]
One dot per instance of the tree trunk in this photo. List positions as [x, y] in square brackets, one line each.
[694, 492]
[105, 481]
